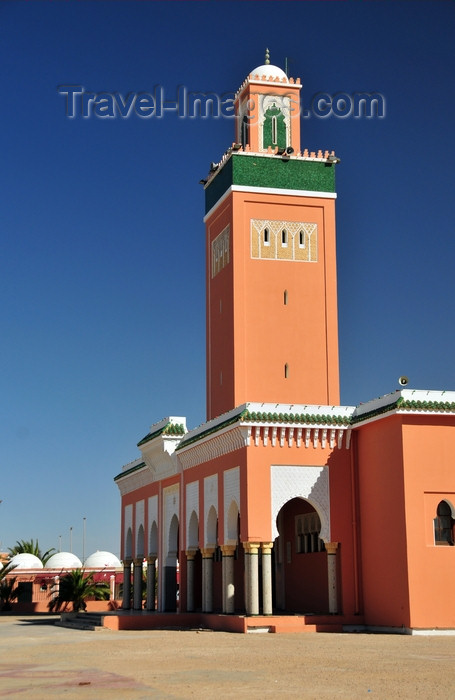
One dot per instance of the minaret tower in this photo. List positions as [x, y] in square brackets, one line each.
[272, 332]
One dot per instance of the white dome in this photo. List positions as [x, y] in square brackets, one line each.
[99, 560]
[63, 560]
[26, 561]
[269, 71]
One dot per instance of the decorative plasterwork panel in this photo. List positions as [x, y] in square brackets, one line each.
[171, 500]
[134, 481]
[140, 512]
[310, 483]
[220, 251]
[213, 446]
[210, 499]
[153, 510]
[192, 504]
[128, 525]
[153, 525]
[284, 240]
[298, 436]
[231, 479]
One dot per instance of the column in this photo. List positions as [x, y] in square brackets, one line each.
[137, 584]
[227, 564]
[112, 587]
[126, 600]
[151, 582]
[190, 554]
[252, 577]
[331, 548]
[207, 579]
[266, 548]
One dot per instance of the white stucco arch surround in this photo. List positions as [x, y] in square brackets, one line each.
[311, 483]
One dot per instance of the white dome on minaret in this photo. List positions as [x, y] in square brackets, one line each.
[268, 70]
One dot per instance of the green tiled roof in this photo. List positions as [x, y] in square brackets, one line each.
[129, 471]
[174, 429]
[407, 405]
[306, 418]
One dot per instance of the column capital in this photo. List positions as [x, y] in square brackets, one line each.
[138, 561]
[251, 547]
[331, 547]
[207, 552]
[128, 561]
[228, 550]
[151, 559]
[266, 547]
[190, 554]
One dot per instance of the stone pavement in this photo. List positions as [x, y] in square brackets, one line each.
[40, 661]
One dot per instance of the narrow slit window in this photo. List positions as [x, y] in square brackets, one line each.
[286, 371]
[284, 237]
[302, 239]
[285, 297]
[274, 131]
[266, 236]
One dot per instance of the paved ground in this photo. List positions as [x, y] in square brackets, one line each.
[39, 661]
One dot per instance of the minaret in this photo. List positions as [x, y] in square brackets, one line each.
[272, 331]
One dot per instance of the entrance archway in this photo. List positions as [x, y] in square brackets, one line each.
[301, 574]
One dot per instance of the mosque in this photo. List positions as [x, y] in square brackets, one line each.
[286, 508]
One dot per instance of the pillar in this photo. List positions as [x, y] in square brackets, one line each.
[151, 583]
[112, 587]
[266, 548]
[137, 584]
[190, 554]
[331, 548]
[251, 577]
[126, 600]
[227, 564]
[207, 579]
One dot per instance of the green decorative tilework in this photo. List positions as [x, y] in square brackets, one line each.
[266, 171]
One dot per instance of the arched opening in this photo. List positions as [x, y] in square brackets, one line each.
[129, 544]
[300, 560]
[153, 542]
[196, 564]
[170, 569]
[193, 531]
[140, 542]
[444, 525]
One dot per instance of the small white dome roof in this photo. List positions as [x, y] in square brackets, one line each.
[63, 560]
[98, 560]
[26, 561]
[269, 71]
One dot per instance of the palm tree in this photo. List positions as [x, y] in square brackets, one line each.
[75, 587]
[31, 547]
[8, 592]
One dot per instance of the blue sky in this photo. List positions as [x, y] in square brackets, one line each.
[102, 303]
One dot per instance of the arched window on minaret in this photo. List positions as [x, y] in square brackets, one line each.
[274, 128]
[244, 134]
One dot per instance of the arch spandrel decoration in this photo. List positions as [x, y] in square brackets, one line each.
[310, 483]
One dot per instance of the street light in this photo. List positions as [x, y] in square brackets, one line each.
[83, 541]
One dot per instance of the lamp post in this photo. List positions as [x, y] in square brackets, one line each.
[83, 540]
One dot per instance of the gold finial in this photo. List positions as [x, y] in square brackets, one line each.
[267, 57]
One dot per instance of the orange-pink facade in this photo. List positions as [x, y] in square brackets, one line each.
[285, 501]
